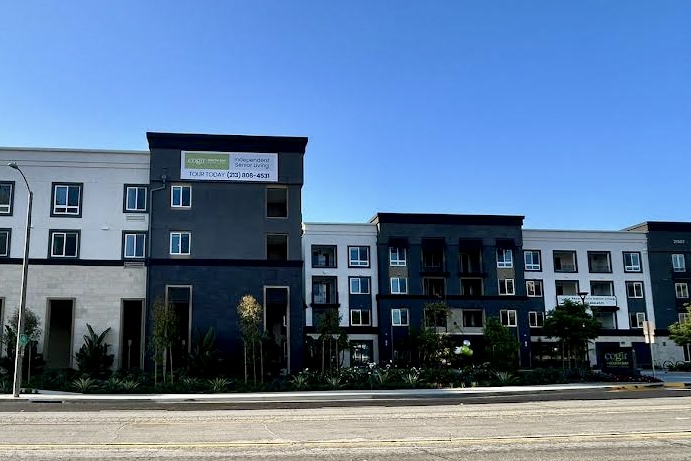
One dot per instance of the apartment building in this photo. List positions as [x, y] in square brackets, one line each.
[607, 270]
[226, 221]
[88, 234]
[467, 261]
[669, 253]
[341, 276]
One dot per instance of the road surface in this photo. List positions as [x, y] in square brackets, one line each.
[623, 429]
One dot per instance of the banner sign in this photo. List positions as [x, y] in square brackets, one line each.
[593, 301]
[228, 166]
[617, 360]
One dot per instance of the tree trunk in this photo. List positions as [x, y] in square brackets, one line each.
[244, 343]
[171, 365]
[261, 362]
[323, 355]
[254, 362]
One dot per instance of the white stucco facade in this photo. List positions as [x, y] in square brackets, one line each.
[97, 280]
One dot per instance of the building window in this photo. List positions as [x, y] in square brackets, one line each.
[637, 319]
[601, 288]
[135, 244]
[506, 287]
[536, 319]
[566, 287]
[64, 244]
[399, 285]
[324, 256]
[358, 257]
[678, 263]
[687, 353]
[397, 256]
[434, 287]
[632, 261]
[599, 262]
[180, 243]
[5, 242]
[67, 199]
[135, 199]
[508, 317]
[399, 317]
[359, 285]
[324, 290]
[634, 289]
[277, 247]
[360, 317]
[565, 261]
[473, 318]
[276, 202]
[471, 286]
[532, 260]
[6, 197]
[181, 196]
[534, 288]
[361, 353]
[682, 290]
[683, 316]
[504, 257]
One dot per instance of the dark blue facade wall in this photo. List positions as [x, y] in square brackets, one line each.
[216, 292]
[360, 301]
[636, 304]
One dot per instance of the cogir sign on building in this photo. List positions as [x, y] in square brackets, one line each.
[228, 166]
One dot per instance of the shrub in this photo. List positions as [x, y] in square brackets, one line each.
[93, 358]
[85, 385]
[219, 384]
[505, 378]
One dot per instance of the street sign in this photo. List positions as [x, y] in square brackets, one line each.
[23, 339]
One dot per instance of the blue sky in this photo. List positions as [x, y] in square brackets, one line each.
[576, 114]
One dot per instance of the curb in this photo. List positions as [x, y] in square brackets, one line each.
[644, 386]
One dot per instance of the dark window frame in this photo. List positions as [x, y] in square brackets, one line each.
[56, 184]
[52, 232]
[287, 245]
[575, 261]
[335, 254]
[146, 198]
[283, 188]
[10, 212]
[9, 242]
[600, 252]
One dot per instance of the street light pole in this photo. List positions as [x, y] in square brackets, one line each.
[19, 350]
[582, 295]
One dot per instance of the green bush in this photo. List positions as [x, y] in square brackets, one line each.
[93, 358]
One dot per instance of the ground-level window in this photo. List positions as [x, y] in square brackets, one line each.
[508, 317]
[361, 353]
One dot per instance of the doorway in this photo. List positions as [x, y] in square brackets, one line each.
[276, 327]
[132, 329]
[179, 299]
[58, 350]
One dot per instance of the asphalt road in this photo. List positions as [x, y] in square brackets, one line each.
[618, 429]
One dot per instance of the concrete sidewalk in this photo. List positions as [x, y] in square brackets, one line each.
[316, 396]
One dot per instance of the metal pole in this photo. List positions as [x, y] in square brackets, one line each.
[22, 304]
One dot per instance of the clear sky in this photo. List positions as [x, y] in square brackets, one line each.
[576, 114]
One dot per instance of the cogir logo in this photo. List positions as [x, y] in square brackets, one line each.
[615, 356]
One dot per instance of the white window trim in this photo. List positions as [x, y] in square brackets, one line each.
[136, 189]
[358, 262]
[64, 244]
[635, 291]
[640, 318]
[505, 283]
[534, 315]
[180, 234]
[398, 262]
[503, 262]
[360, 311]
[535, 282]
[398, 291]
[678, 257]
[6, 209]
[685, 290]
[172, 195]
[400, 317]
[359, 292]
[67, 207]
[632, 268]
[508, 317]
[683, 316]
[135, 235]
[532, 266]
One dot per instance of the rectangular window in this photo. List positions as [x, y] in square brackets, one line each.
[508, 317]
[473, 318]
[64, 244]
[359, 285]
[180, 243]
[67, 199]
[397, 256]
[599, 262]
[601, 288]
[399, 317]
[277, 247]
[682, 290]
[358, 257]
[135, 245]
[637, 319]
[683, 316]
[678, 263]
[276, 202]
[399, 285]
[471, 286]
[434, 287]
[632, 261]
[634, 289]
[135, 199]
[565, 261]
[5, 243]
[532, 260]
[181, 196]
[324, 290]
[504, 257]
[534, 288]
[6, 197]
[566, 287]
[687, 353]
[324, 256]
[536, 319]
[360, 317]
[506, 287]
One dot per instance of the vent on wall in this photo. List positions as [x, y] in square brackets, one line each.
[135, 217]
[134, 264]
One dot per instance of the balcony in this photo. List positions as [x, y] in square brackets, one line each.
[599, 262]
[565, 261]
[324, 256]
[324, 291]
[470, 263]
[434, 287]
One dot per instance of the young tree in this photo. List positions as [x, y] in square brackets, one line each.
[501, 345]
[680, 332]
[433, 347]
[32, 330]
[250, 314]
[165, 324]
[574, 326]
[331, 334]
